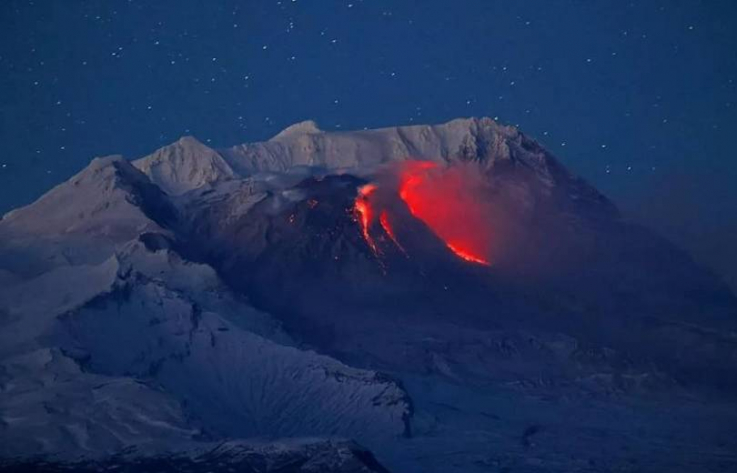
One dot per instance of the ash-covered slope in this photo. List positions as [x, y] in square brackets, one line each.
[424, 290]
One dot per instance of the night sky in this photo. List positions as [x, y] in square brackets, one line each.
[638, 97]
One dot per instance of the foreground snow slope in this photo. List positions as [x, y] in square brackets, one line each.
[144, 346]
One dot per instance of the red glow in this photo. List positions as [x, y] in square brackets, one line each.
[365, 213]
[386, 225]
[445, 200]
[449, 200]
[466, 256]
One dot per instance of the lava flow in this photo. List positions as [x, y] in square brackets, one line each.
[447, 201]
[466, 256]
[365, 213]
[387, 226]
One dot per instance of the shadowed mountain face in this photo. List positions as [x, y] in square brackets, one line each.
[391, 286]
[286, 457]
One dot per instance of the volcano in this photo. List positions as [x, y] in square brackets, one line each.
[419, 299]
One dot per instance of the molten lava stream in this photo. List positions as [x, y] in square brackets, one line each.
[386, 225]
[363, 208]
[466, 256]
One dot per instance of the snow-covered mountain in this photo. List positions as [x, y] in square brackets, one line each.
[294, 289]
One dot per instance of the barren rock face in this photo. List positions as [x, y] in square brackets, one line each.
[421, 290]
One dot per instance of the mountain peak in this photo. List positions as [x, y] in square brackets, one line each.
[184, 165]
[189, 140]
[302, 128]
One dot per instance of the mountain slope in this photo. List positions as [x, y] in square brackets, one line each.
[120, 348]
[82, 220]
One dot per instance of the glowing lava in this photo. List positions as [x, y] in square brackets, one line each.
[466, 256]
[386, 225]
[365, 213]
[447, 201]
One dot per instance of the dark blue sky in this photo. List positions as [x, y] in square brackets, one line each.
[638, 97]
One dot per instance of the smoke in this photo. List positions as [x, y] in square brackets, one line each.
[451, 200]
